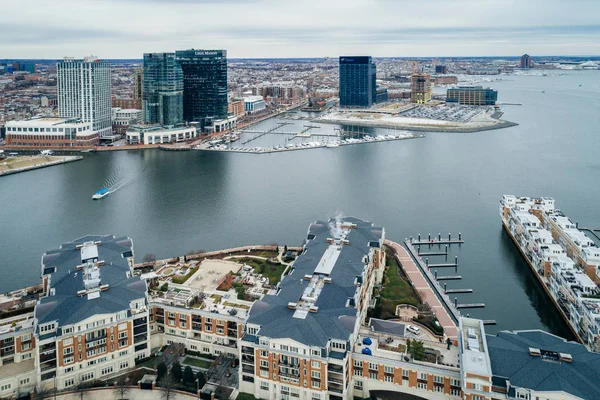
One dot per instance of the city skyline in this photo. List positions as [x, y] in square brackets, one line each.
[379, 28]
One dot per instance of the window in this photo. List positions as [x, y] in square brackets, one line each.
[294, 349]
[476, 397]
[358, 363]
[106, 371]
[358, 372]
[123, 353]
[68, 342]
[373, 375]
[284, 347]
[373, 366]
[264, 373]
[455, 392]
[264, 353]
[25, 346]
[358, 385]
[87, 376]
[69, 382]
[479, 387]
[421, 385]
[67, 351]
[454, 382]
[264, 364]
[316, 396]
[23, 381]
[338, 346]
[264, 386]
[439, 389]
[68, 359]
[316, 364]
[316, 375]
[68, 330]
[316, 352]
[124, 364]
[388, 370]
[438, 379]
[388, 378]
[405, 373]
[68, 370]
[316, 384]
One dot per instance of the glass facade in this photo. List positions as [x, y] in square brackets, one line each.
[204, 85]
[357, 82]
[162, 89]
[472, 96]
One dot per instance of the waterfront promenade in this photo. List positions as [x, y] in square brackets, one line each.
[14, 165]
[425, 290]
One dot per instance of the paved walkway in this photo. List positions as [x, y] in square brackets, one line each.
[133, 394]
[425, 290]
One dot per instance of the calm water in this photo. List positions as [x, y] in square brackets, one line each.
[174, 202]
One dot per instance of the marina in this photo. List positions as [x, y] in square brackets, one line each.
[562, 258]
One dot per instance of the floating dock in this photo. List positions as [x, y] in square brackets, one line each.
[470, 305]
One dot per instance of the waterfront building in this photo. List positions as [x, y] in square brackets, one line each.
[526, 61]
[162, 89]
[204, 85]
[93, 321]
[565, 261]
[281, 93]
[225, 124]
[441, 69]
[138, 83]
[472, 96]
[538, 365]
[158, 134]
[236, 108]
[421, 87]
[254, 104]
[51, 132]
[123, 118]
[357, 81]
[83, 88]
[381, 95]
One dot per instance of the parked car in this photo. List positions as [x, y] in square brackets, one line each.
[413, 329]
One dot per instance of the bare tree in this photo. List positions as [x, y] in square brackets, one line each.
[122, 387]
[149, 258]
[167, 388]
[41, 392]
[81, 390]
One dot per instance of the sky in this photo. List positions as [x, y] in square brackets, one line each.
[299, 28]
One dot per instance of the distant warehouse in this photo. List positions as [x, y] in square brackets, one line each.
[472, 96]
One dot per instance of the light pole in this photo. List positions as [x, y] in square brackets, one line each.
[198, 387]
[55, 387]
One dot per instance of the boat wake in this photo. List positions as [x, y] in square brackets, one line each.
[118, 185]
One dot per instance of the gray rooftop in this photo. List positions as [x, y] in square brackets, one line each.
[511, 361]
[65, 306]
[334, 319]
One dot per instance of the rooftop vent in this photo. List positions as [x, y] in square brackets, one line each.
[534, 352]
[566, 357]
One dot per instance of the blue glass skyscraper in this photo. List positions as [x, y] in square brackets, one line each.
[163, 89]
[357, 81]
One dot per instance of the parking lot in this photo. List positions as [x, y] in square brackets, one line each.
[444, 112]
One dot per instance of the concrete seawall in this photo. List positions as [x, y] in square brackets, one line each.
[65, 160]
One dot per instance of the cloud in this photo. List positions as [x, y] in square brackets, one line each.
[275, 28]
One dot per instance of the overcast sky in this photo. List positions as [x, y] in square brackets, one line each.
[299, 28]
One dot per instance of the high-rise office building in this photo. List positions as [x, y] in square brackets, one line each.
[204, 85]
[358, 87]
[83, 90]
[138, 83]
[163, 89]
[441, 69]
[526, 61]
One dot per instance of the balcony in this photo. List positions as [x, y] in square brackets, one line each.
[335, 390]
[139, 339]
[335, 380]
[48, 347]
[288, 363]
[160, 320]
[47, 357]
[247, 350]
[47, 367]
[247, 359]
[247, 369]
[9, 352]
[140, 321]
[335, 368]
[140, 330]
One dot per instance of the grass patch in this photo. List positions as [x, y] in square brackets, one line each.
[197, 362]
[245, 307]
[216, 297]
[268, 270]
[180, 280]
[396, 289]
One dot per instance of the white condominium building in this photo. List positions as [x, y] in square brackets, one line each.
[84, 92]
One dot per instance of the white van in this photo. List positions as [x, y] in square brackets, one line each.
[413, 329]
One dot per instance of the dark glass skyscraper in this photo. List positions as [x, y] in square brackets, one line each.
[358, 86]
[204, 85]
[163, 89]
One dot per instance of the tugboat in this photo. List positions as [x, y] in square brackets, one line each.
[100, 194]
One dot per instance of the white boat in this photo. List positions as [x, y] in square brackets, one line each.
[333, 144]
[100, 194]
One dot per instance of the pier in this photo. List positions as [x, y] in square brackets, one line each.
[590, 230]
[489, 322]
[263, 133]
[434, 253]
[449, 278]
[439, 240]
[444, 265]
[450, 291]
[470, 305]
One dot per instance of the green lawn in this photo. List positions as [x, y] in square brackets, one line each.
[271, 271]
[197, 362]
[396, 290]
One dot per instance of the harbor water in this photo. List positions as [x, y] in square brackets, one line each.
[171, 203]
